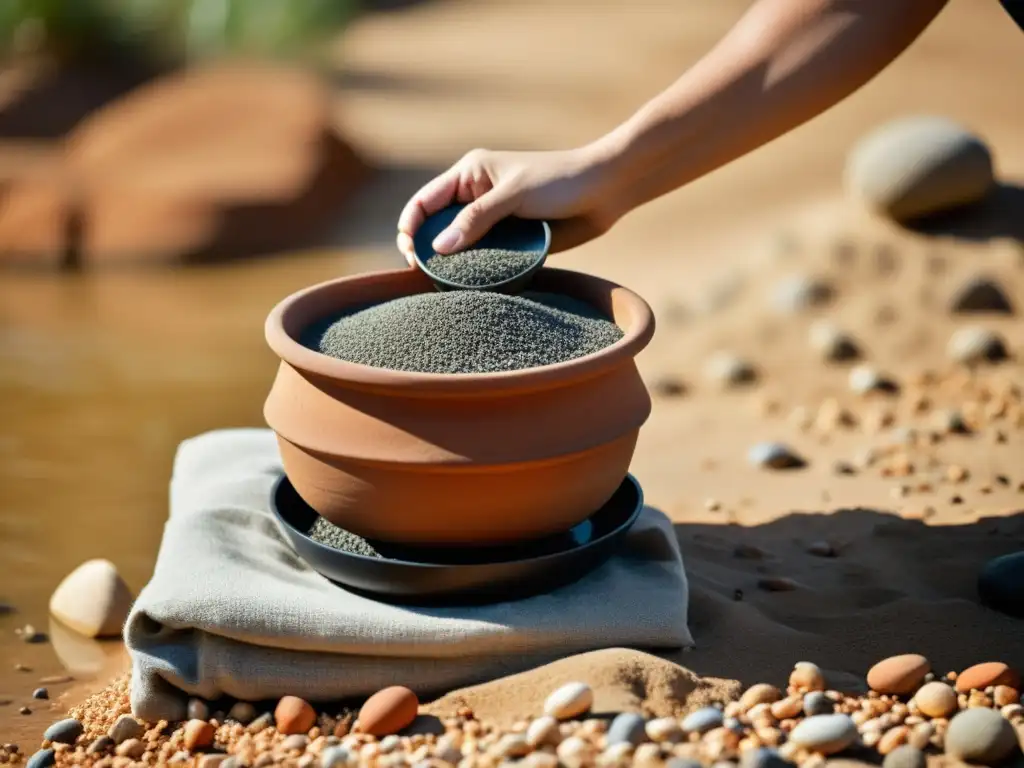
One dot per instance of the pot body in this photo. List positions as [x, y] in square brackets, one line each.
[455, 459]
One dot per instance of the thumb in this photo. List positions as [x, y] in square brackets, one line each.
[474, 221]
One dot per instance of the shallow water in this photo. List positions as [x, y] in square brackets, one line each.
[101, 376]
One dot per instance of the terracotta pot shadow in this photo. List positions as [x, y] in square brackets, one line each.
[455, 459]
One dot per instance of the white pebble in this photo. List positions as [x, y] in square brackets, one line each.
[571, 700]
[543, 730]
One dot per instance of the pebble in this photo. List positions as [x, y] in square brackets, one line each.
[615, 754]
[936, 699]
[294, 715]
[40, 693]
[800, 292]
[865, 379]
[703, 720]
[833, 344]
[30, 634]
[951, 421]
[664, 729]
[124, 728]
[512, 745]
[906, 756]
[213, 761]
[762, 693]
[574, 751]
[826, 734]
[763, 757]
[980, 736]
[198, 734]
[981, 295]
[729, 370]
[970, 346]
[42, 759]
[100, 745]
[571, 700]
[787, 708]
[989, 673]
[242, 712]
[821, 549]
[918, 165]
[817, 703]
[335, 757]
[1001, 584]
[24, 711]
[197, 709]
[298, 742]
[93, 600]
[627, 727]
[771, 455]
[64, 731]
[543, 730]
[899, 675]
[133, 748]
[807, 676]
[684, 762]
[261, 723]
[388, 711]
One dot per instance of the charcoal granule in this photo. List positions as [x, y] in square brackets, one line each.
[325, 532]
[482, 266]
[465, 332]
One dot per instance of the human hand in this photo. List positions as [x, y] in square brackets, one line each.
[564, 187]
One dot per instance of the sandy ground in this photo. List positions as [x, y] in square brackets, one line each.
[424, 85]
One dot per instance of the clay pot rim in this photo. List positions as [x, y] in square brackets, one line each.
[636, 336]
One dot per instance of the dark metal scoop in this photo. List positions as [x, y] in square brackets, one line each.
[510, 234]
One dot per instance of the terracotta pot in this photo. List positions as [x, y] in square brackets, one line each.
[423, 458]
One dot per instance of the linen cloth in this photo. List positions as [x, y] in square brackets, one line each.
[232, 610]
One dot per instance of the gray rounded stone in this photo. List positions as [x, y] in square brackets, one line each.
[800, 292]
[976, 345]
[763, 758]
[916, 166]
[42, 759]
[702, 720]
[905, 756]
[775, 456]
[124, 728]
[826, 734]
[64, 731]
[817, 703]
[335, 757]
[980, 736]
[627, 727]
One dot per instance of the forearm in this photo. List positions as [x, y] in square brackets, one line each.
[784, 62]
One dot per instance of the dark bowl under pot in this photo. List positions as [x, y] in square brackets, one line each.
[461, 575]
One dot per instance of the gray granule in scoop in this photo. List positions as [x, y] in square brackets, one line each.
[481, 266]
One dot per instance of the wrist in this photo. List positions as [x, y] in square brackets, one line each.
[605, 165]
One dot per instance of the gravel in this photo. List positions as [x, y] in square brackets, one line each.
[465, 332]
[482, 266]
[329, 534]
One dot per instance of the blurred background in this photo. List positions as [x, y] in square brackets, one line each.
[170, 169]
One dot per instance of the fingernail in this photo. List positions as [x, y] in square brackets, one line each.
[447, 240]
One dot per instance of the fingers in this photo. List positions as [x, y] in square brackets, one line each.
[405, 247]
[435, 195]
[475, 220]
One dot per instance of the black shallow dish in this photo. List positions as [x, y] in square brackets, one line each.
[511, 233]
[412, 575]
